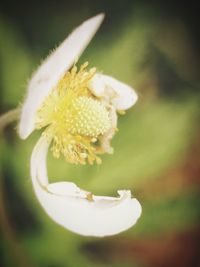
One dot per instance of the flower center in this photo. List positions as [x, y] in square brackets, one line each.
[88, 117]
[75, 119]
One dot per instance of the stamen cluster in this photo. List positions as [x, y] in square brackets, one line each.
[75, 118]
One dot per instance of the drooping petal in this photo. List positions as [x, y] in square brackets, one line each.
[71, 207]
[53, 68]
[121, 95]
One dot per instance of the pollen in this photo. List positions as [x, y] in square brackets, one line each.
[74, 118]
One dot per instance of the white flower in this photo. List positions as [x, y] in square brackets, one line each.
[78, 109]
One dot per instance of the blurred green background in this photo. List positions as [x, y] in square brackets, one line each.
[154, 48]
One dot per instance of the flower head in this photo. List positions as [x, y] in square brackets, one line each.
[77, 108]
[75, 119]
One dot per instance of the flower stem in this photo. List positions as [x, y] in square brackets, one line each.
[8, 117]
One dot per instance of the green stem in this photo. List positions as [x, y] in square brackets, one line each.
[9, 117]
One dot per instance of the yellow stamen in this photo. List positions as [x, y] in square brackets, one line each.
[75, 118]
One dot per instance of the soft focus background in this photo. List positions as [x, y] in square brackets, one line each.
[152, 47]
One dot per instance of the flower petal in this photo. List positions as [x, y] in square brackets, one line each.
[121, 95]
[107, 137]
[53, 68]
[72, 208]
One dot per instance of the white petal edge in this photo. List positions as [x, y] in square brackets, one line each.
[122, 96]
[67, 204]
[53, 68]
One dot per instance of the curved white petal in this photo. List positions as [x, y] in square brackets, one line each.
[53, 68]
[121, 95]
[69, 206]
[97, 85]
